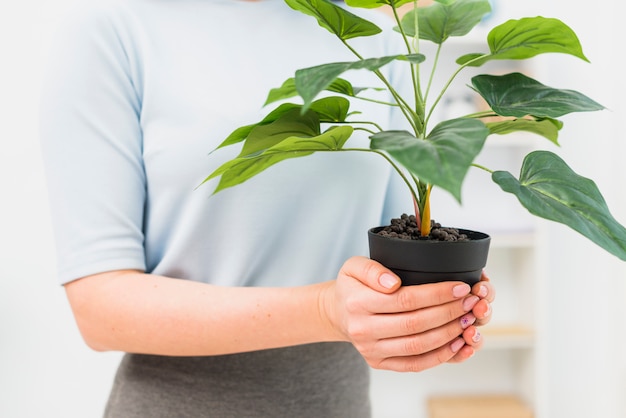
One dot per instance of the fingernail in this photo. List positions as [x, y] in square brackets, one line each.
[460, 290]
[488, 311]
[387, 281]
[482, 292]
[476, 337]
[469, 302]
[467, 320]
[457, 345]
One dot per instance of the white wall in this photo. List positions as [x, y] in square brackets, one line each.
[587, 367]
[46, 371]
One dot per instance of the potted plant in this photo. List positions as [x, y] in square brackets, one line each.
[440, 156]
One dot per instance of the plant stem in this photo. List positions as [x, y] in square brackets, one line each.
[409, 114]
[432, 73]
[447, 85]
[367, 99]
[425, 226]
[419, 102]
[483, 114]
[482, 168]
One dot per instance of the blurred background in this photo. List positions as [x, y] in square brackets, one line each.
[564, 330]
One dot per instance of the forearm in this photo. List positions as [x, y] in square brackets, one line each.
[135, 312]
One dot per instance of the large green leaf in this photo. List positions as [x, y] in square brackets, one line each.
[528, 37]
[444, 158]
[334, 18]
[439, 21]
[243, 168]
[550, 189]
[242, 133]
[548, 128]
[313, 80]
[339, 85]
[290, 124]
[329, 109]
[518, 95]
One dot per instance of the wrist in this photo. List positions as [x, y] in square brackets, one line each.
[327, 312]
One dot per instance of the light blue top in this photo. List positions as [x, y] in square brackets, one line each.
[137, 94]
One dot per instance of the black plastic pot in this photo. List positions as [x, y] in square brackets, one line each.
[430, 261]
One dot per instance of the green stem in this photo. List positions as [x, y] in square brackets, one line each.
[409, 114]
[377, 126]
[369, 131]
[482, 168]
[432, 73]
[419, 102]
[447, 85]
[367, 99]
[483, 114]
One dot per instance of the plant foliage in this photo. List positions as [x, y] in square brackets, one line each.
[438, 157]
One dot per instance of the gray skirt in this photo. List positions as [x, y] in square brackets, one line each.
[324, 380]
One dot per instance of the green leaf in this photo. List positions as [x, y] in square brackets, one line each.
[439, 21]
[332, 140]
[528, 37]
[444, 158]
[550, 189]
[242, 133]
[518, 95]
[289, 124]
[243, 168]
[339, 85]
[287, 90]
[329, 110]
[313, 80]
[334, 18]
[548, 128]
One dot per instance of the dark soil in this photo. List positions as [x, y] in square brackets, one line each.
[405, 227]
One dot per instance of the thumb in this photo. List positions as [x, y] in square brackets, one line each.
[372, 274]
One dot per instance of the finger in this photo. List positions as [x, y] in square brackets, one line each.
[416, 322]
[473, 337]
[473, 342]
[465, 353]
[371, 273]
[416, 344]
[482, 310]
[484, 288]
[412, 298]
[424, 361]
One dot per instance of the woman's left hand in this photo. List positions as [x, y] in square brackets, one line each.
[480, 315]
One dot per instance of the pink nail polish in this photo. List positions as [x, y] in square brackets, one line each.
[476, 337]
[457, 345]
[467, 320]
[469, 302]
[460, 290]
[387, 281]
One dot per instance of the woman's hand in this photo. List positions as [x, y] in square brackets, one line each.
[408, 328]
[482, 314]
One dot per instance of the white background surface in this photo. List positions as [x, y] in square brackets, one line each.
[46, 371]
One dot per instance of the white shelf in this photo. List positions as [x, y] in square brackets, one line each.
[508, 337]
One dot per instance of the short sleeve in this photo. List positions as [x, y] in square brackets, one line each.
[91, 143]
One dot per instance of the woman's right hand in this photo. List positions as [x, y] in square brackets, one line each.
[401, 328]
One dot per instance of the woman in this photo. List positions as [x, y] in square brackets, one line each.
[256, 301]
